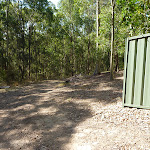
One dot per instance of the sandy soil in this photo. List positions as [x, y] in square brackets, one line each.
[86, 114]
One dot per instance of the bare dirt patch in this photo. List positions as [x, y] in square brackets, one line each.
[84, 114]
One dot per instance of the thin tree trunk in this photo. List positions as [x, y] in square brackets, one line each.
[146, 21]
[89, 44]
[97, 22]
[72, 61]
[35, 51]
[88, 65]
[148, 25]
[7, 34]
[112, 41]
[97, 68]
[3, 55]
[117, 63]
[29, 51]
[23, 44]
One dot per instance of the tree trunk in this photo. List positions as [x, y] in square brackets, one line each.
[97, 22]
[117, 63]
[35, 51]
[29, 51]
[112, 41]
[23, 45]
[97, 68]
[88, 63]
[7, 34]
[146, 21]
[72, 56]
[3, 60]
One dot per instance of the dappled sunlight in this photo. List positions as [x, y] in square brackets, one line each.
[25, 107]
[20, 142]
[48, 110]
[47, 115]
[32, 119]
[81, 115]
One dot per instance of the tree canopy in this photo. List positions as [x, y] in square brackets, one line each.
[38, 41]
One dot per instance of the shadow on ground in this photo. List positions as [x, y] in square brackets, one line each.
[97, 88]
[38, 117]
[31, 122]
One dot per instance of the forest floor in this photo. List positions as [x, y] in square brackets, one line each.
[85, 114]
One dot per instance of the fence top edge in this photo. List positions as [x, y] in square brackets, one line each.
[139, 37]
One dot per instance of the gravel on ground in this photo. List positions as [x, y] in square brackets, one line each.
[84, 114]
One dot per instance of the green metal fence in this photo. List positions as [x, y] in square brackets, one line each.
[136, 86]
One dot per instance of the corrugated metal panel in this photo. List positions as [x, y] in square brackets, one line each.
[136, 86]
[130, 72]
[125, 69]
[146, 97]
[139, 74]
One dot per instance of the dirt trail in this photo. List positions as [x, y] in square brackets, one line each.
[86, 114]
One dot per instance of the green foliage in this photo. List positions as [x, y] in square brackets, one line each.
[135, 15]
[37, 41]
